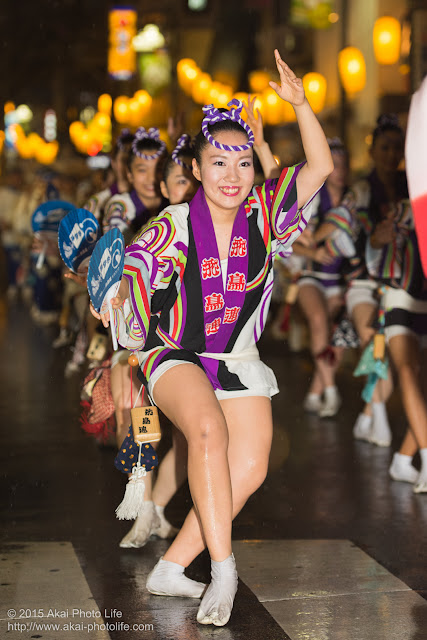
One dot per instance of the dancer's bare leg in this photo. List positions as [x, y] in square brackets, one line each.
[185, 396]
[372, 423]
[172, 470]
[245, 463]
[404, 351]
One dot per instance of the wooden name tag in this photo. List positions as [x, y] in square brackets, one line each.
[292, 293]
[98, 347]
[379, 346]
[146, 424]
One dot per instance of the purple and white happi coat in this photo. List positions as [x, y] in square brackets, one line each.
[186, 305]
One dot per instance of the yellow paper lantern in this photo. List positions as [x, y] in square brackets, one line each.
[187, 71]
[273, 107]
[75, 130]
[102, 121]
[225, 95]
[258, 81]
[9, 106]
[387, 37]
[134, 113]
[145, 101]
[35, 142]
[213, 93]
[83, 141]
[201, 88]
[352, 69]
[46, 152]
[23, 148]
[121, 109]
[105, 103]
[315, 90]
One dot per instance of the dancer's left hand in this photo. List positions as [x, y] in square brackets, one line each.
[291, 88]
[254, 121]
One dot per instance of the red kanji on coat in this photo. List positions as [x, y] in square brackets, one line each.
[210, 268]
[236, 282]
[231, 314]
[212, 327]
[214, 302]
[238, 247]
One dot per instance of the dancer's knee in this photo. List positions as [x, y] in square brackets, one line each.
[208, 435]
[251, 479]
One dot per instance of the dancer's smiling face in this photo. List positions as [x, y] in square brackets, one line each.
[143, 175]
[179, 185]
[226, 176]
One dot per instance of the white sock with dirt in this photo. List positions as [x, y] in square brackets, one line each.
[163, 527]
[168, 579]
[141, 530]
[217, 603]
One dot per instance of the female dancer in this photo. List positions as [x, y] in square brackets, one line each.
[321, 289]
[405, 304]
[178, 186]
[369, 201]
[130, 211]
[195, 293]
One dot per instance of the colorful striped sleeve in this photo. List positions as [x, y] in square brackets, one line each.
[286, 220]
[148, 263]
[115, 215]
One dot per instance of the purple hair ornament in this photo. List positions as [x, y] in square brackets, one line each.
[184, 142]
[213, 115]
[152, 134]
[123, 139]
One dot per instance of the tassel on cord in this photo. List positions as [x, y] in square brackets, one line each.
[133, 500]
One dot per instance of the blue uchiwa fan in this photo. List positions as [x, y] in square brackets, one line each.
[78, 234]
[45, 223]
[49, 214]
[105, 273]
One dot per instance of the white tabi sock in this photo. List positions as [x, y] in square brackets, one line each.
[362, 427]
[312, 402]
[168, 579]
[142, 528]
[401, 468]
[162, 527]
[381, 432]
[217, 603]
[421, 483]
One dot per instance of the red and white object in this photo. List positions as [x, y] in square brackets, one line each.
[416, 165]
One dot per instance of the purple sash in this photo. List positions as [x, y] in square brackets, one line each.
[220, 308]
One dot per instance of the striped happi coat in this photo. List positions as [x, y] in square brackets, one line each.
[165, 315]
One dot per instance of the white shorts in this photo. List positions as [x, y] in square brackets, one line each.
[404, 315]
[252, 373]
[327, 291]
[360, 292]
